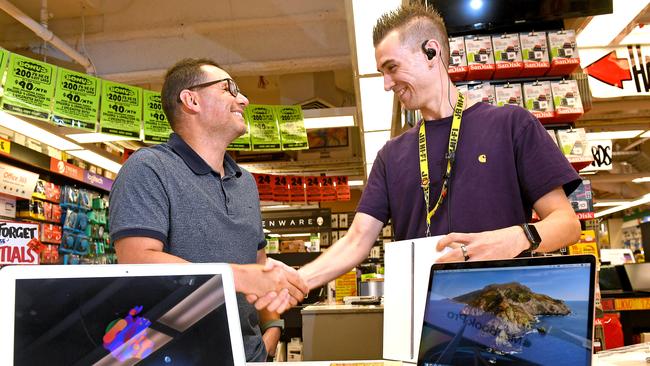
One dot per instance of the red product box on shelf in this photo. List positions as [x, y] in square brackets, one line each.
[509, 94]
[50, 254]
[564, 53]
[538, 100]
[566, 100]
[52, 192]
[534, 54]
[507, 56]
[457, 59]
[56, 213]
[480, 59]
[51, 233]
[47, 211]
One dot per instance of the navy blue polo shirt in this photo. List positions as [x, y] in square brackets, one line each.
[169, 193]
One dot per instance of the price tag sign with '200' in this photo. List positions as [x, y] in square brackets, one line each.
[156, 126]
[29, 87]
[76, 100]
[121, 110]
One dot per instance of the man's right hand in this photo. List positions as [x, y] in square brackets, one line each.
[273, 286]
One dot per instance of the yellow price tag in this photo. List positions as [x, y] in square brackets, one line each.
[5, 146]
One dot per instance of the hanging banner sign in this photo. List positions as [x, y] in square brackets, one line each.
[342, 188]
[292, 127]
[328, 189]
[617, 72]
[19, 243]
[264, 186]
[601, 151]
[296, 189]
[156, 125]
[265, 134]
[280, 188]
[243, 142]
[17, 182]
[313, 189]
[121, 110]
[29, 87]
[76, 100]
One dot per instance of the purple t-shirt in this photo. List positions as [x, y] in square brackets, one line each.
[505, 162]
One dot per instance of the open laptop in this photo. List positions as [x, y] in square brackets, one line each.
[528, 311]
[171, 314]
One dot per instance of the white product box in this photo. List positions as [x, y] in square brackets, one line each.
[538, 100]
[483, 92]
[509, 94]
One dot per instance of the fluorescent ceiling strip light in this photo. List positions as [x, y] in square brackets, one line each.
[641, 201]
[647, 133]
[92, 137]
[294, 235]
[329, 122]
[355, 183]
[641, 180]
[602, 29]
[613, 135]
[96, 159]
[610, 203]
[376, 104]
[365, 14]
[25, 128]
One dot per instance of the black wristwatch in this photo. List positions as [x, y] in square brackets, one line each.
[532, 235]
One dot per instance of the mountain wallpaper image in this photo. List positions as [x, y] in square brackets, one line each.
[515, 308]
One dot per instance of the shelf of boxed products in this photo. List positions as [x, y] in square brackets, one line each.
[525, 69]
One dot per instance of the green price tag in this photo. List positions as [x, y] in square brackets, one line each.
[243, 142]
[265, 134]
[76, 100]
[29, 87]
[121, 110]
[156, 126]
[4, 60]
[292, 127]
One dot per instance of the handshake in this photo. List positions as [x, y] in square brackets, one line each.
[273, 286]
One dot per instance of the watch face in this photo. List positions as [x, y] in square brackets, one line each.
[532, 235]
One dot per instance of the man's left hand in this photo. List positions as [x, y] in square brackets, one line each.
[496, 244]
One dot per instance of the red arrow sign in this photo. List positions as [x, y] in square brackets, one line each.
[610, 70]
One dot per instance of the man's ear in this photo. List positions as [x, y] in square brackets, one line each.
[188, 99]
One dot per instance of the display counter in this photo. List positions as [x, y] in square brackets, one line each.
[342, 332]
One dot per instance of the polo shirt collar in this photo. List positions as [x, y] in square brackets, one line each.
[196, 163]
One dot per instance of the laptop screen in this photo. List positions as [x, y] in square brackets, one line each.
[161, 320]
[514, 312]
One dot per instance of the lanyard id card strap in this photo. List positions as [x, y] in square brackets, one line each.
[451, 151]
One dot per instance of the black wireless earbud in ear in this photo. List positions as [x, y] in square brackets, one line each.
[430, 52]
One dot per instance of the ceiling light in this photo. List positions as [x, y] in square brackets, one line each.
[329, 117]
[610, 203]
[92, 137]
[641, 180]
[355, 183]
[476, 4]
[25, 128]
[376, 104]
[96, 159]
[365, 14]
[645, 134]
[613, 135]
[641, 201]
[294, 235]
[603, 29]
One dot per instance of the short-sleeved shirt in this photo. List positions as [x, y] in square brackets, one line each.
[169, 193]
[505, 161]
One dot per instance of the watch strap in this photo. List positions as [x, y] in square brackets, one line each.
[278, 323]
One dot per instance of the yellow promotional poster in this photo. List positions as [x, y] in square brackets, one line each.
[586, 245]
[346, 285]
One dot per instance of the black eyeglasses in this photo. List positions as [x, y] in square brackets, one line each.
[233, 89]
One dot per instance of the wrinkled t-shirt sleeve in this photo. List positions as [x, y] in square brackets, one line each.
[374, 200]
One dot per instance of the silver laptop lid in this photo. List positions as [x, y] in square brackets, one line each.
[172, 314]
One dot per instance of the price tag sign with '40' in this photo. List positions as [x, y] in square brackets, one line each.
[76, 100]
[121, 110]
[156, 126]
[29, 87]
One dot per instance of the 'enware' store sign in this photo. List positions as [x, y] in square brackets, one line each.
[18, 243]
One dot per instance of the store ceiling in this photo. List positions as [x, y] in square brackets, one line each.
[280, 52]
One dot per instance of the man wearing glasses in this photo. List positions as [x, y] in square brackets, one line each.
[188, 201]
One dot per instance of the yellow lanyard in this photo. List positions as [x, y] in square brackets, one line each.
[450, 156]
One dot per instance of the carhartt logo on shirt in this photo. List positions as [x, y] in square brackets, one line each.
[482, 158]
